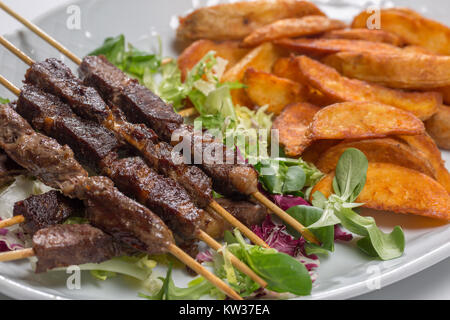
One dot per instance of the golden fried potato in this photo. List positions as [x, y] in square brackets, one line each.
[398, 189]
[359, 120]
[385, 150]
[314, 151]
[445, 91]
[288, 68]
[425, 145]
[234, 21]
[374, 35]
[228, 50]
[323, 47]
[267, 89]
[292, 125]
[438, 127]
[261, 58]
[340, 89]
[404, 70]
[292, 28]
[411, 27]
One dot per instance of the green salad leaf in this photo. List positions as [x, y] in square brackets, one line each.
[4, 101]
[348, 183]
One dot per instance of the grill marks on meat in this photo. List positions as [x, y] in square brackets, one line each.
[45, 210]
[163, 195]
[132, 97]
[56, 166]
[90, 142]
[55, 77]
[64, 245]
[141, 105]
[247, 212]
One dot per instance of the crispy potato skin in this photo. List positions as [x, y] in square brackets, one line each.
[367, 35]
[314, 151]
[323, 47]
[425, 145]
[404, 70]
[385, 150]
[292, 125]
[438, 127]
[412, 28]
[260, 58]
[267, 89]
[338, 88]
[292, 28]
[228, 50]
[359, 120]
[398, 189]
[235, 21]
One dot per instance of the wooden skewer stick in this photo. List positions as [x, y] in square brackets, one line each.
[40, 33]
[235, 261]
[11, 221]
[259, 196]
[173, 249]
[201, 235]
[286, 217]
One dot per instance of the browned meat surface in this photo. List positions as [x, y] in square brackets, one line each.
[44, 210]
[141, 105]
[53, 76]
[162, 195]
[108, 209]
[247, 212]
[130, 96]
[8, 169]
[42, 156]
[65, 245]
[89, 141]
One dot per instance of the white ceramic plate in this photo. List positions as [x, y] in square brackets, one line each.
[345, 273]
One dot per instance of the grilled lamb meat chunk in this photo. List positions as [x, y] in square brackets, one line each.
[56, 166]
[247, 212]
[72, 244]
[90, 141]
[133, 98]
[45, 210]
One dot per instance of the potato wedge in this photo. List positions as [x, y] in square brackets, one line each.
[359, 120]
[385, 150]
[261, 58]
[402, 70]
[398, 189]
[445, 91]
[340, 89]
[425, 145]
[292, 125]
[288, 68]
[234, 21]
[412, 27]
[324, 47]
[267, 89]
[292, 28]
[228, 50]
[315, 150]
[438, 127]
[367, 35]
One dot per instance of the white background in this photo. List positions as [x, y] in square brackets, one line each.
[433, 283]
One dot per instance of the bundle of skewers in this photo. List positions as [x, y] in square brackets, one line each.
[143, 196]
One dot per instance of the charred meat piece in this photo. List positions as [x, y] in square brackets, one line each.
[43, 157]
[45, 210]
[8, 169]
[141, 105]
[55, 77]
[162, 195]
[133, 99]
[247, 212]
[56, 166]
[72, 244]
[90, 142]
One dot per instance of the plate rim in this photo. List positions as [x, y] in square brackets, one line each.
[16, 290]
